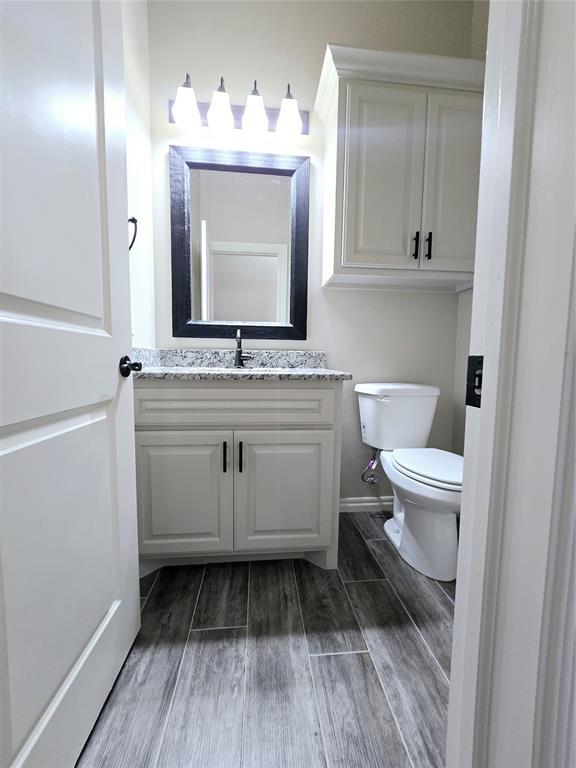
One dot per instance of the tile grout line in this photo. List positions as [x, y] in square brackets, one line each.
[146, 597]
[322, 734]
[409, 756]
[336, 653]
[362, 581]
[169, 710]
[444, 592]
[213, 629]
[242, 744]
[393, 588]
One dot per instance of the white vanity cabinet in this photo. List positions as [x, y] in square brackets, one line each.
[401, 168]
[238, 468]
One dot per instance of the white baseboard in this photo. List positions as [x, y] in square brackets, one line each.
[366, 503]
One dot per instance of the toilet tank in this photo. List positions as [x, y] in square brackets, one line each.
[396, 415]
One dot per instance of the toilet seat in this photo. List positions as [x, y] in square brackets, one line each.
[439, 469]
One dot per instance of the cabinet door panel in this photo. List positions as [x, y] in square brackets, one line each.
[385, 136]
[283, 497]
[453, 138]
[184, 496]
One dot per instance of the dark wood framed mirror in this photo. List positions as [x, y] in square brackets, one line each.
[239, 227]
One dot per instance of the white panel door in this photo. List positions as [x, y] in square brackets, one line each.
[185, 491]
[283, 494]
[384, 170]
[69, 606]
[453, 138]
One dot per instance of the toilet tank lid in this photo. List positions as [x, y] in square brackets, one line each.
[394, 389]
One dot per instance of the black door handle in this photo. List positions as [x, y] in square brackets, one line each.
[127, 366]
[416, 240]
[133, 220]
[429, 246]
[240, 451]
[225, 456]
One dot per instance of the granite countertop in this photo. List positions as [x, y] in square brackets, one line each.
[180, 373]
[218, 364]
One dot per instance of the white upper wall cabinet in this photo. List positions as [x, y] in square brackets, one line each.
[401, 165]
[385, 133]
[453, 137]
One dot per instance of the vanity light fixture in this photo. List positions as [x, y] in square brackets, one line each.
[289, 120]
[255, 119]
[185, 108]
[220, 117]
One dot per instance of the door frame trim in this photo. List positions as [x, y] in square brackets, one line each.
[508, 121]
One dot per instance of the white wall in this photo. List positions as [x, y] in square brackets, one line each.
[139, 170]
[377, 335]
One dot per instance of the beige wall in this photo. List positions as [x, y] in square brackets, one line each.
[463, 323]
[479, 29]
[377, 335]
[139, 170]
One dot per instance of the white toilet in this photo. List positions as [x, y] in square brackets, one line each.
[427, 483]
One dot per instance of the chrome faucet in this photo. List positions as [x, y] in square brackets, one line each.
[240, 356]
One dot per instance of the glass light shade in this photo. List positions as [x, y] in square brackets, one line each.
[289, 120]
[185, 108]
[255, 119]
[220, 117]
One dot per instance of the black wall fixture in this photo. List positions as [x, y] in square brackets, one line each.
[182, 159]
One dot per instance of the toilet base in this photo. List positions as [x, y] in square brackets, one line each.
[426, 540]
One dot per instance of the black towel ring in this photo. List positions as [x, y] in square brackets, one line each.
[133, 220]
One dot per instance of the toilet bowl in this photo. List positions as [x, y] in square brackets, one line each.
[426, 482]
[427, 486]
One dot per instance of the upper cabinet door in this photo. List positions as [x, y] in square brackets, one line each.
[453, 138]
[384, 153]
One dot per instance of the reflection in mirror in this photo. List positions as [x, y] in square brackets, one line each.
[240, 230]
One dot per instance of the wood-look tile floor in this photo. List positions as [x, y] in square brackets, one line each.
[280, 664]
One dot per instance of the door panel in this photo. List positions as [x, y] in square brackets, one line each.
[384, 164]
[69, 605]
[283, 493]
[454, 129]
[185, 497]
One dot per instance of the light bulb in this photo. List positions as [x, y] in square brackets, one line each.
[220, 117]
[289, 120]
[255, 119]
[185, 109]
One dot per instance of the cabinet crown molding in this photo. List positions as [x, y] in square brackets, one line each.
[341, 61]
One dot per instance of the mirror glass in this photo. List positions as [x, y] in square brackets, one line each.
[240, 232]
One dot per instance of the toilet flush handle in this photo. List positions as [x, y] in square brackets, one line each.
[384, 399]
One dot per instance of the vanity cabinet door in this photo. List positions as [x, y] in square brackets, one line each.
[453, 138]
[384, 151]
[283, 489]
[185, 491]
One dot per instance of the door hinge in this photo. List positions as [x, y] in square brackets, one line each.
[474, 380]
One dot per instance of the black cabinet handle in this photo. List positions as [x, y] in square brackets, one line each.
[429, 246]
[240, 451]
[126, 366]
[225, 456]
[416, 240]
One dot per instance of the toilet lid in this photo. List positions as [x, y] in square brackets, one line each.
[430, 465]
